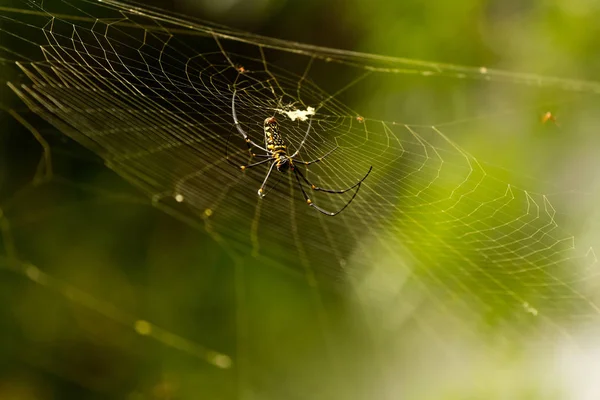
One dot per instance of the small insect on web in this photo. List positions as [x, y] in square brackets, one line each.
[549, 117]
[276, 154]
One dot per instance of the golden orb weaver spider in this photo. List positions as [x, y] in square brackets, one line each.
[276, 154]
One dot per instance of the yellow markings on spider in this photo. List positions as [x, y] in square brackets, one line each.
[208, 212]
[179, 198]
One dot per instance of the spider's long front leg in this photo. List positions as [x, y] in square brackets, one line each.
[262, 187]
[243, 167]
[239, 128]
[227, 152]
[320, 189]
[316, 207]
[316, 160]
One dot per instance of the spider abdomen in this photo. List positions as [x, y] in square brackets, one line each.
[275, 142]
[276, 145]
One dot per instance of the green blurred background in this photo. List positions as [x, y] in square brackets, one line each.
[112, 259]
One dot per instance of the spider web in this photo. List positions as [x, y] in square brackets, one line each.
[432, 228]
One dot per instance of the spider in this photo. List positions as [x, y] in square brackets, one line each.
[277, 155]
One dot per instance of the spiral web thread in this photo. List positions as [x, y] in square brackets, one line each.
[151, 95]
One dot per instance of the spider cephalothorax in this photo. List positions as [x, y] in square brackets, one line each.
[283, 163]
[277, 155]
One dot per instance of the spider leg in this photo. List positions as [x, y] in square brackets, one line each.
[227, 152]
[239, 128]
[262, 187]
[303, 140]
[269, 190]
[319, 209]
[320, 158]
[227, 148]
[243, 167]
[251, 155]
[313, 187]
